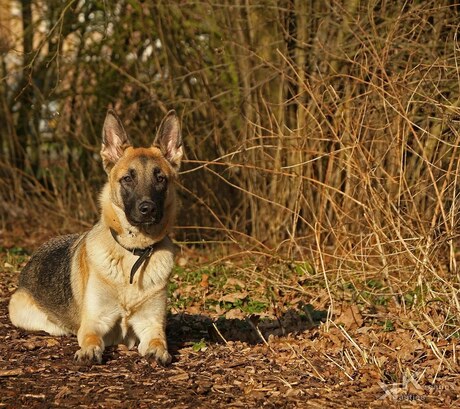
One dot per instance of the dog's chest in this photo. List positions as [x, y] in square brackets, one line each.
[119, 267]
[110, 291]
[146, 279]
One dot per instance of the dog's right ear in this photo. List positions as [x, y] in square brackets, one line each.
[114, 140]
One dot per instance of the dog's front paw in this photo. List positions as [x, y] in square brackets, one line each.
[157, 351]
[92, 354]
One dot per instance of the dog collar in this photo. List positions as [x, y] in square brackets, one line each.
[143, 254]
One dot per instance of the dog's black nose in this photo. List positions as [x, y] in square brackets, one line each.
[147, 207]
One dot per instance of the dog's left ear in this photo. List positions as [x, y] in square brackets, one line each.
[169, 139]
[114, 140]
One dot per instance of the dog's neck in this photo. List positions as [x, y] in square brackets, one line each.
[137, 251]
[143, 254]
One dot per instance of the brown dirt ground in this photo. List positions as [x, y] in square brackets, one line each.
[309, 366]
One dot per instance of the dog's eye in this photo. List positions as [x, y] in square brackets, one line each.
[160, 177]
[127, 178]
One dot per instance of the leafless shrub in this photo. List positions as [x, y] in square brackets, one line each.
[324, 130]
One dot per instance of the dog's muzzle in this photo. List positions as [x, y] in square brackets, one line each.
[146, 212]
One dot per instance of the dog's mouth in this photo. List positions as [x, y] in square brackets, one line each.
[143, 222]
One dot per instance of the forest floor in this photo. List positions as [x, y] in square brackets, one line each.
[234, 346]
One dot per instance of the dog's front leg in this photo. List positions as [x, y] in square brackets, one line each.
[98, 318]
[91, 345]
[149, 324]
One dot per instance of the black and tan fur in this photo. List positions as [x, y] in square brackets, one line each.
[79, 284]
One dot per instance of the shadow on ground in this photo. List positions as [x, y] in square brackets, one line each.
[183, 328]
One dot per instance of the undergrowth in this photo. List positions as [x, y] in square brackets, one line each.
[322, 159]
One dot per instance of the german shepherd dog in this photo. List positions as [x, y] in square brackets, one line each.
[109, 285]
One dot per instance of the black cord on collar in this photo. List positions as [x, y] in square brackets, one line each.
[143, 254]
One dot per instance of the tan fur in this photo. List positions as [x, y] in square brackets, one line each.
[83, 266]
[105, 309]
[25, 313]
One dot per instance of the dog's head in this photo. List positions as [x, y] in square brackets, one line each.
[142, 179]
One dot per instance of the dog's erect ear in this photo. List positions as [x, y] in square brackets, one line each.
[114, 140]
[169, 139]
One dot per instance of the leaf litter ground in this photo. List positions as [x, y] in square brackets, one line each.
[234, 346]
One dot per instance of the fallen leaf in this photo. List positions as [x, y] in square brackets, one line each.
[180, 377]
[350, 318]
[11, 372]
[63, 392]
[234, 282]
[235, 313]
[233, 297]
[204, 281]
[52, 342]
[182, 262]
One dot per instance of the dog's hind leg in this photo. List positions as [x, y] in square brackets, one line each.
[26, 314]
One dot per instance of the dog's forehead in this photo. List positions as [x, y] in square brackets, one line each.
[142, 159]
